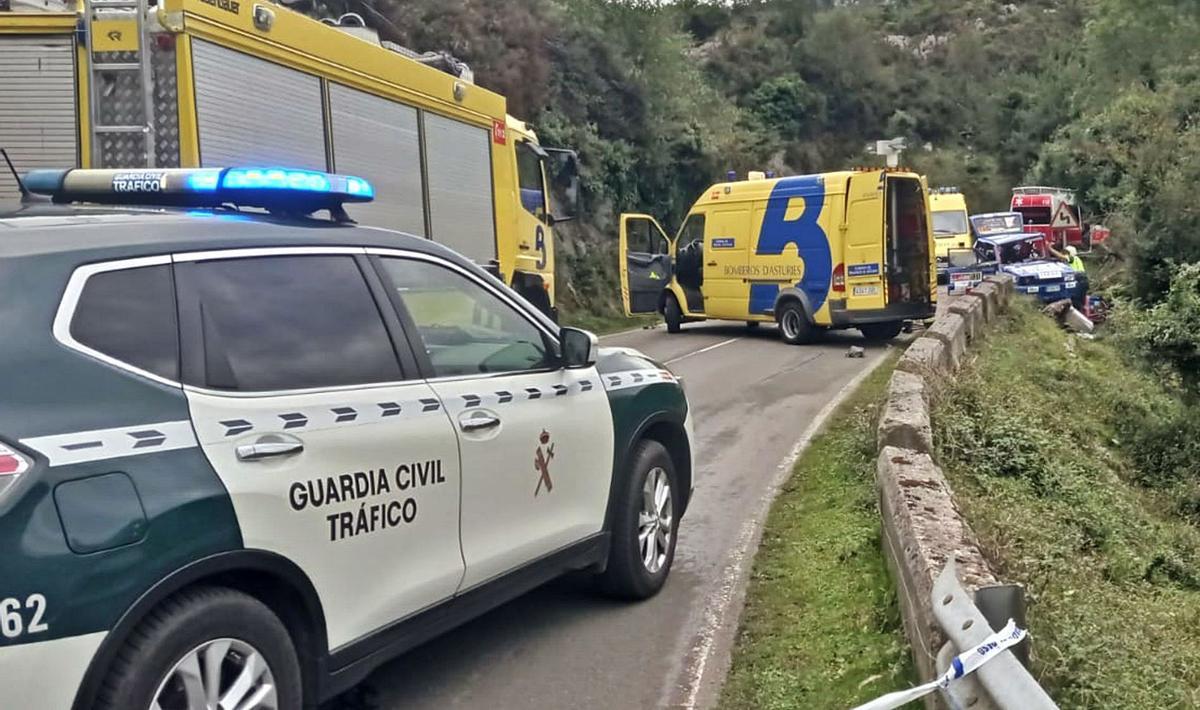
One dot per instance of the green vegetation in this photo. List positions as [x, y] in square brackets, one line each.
[1079, 473]
[821, 628]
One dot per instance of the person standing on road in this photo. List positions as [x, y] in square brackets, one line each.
[1071, 257]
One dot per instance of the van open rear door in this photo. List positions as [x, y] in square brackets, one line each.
[864, 243]
[646, 266]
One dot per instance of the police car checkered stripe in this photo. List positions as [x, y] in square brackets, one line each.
[635, 378]
[101, 444]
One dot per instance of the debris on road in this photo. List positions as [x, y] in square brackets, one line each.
[856, 351]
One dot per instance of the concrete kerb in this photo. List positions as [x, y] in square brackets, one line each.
[904, 421]
[922, 527]
[951, 329]
[971, 311]
[987, 307]
[926, 357]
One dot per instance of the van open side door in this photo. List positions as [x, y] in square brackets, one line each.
[646, 265]
[864, 242]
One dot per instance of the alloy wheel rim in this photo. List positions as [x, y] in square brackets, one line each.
[655, 520]
[791, 324]
[222, 674]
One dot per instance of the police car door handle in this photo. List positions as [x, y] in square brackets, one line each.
[478, 421]
[266, 448]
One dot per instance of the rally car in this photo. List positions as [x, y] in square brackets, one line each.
[1002, 246]
[247, 455]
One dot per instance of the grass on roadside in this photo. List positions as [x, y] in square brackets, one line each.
[603, 324]
[1040, 437]
[821, 628]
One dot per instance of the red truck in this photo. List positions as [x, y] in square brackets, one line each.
[1054, 213]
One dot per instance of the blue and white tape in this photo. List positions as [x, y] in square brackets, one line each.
[960, 666]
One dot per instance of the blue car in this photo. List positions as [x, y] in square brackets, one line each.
[1002, 246]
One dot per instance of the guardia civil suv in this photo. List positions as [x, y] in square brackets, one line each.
[247, 455]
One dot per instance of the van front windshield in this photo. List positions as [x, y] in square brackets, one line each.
[949, 223]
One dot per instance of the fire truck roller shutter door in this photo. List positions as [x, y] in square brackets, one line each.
[459, 166]
[37, 105]
[378, 140]
[254, 112]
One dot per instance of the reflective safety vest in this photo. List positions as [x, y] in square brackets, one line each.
[1077, 264]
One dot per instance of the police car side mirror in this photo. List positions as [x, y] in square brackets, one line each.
[578, 347]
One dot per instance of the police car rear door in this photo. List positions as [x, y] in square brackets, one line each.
[646, 265]
[306, 403]
[536, 440]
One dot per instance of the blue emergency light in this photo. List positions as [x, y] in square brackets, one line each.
[275, 189]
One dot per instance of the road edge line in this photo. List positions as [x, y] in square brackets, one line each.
[724, 605]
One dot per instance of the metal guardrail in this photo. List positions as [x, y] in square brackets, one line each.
[1001, 684]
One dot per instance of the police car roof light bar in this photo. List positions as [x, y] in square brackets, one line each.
[273, 189]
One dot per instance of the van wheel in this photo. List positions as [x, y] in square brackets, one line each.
[880, 332]
[794, 325]
[644, 526]
[203, 645]
[672, 314]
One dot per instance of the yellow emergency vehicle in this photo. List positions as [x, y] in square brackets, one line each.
[951, 228]
[192, 83]
[850, 249]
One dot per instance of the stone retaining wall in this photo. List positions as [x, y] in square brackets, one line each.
[922, 527]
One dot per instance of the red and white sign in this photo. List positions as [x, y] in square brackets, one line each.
[499, 132]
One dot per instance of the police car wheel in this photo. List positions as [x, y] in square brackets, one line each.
[793, 324]
[672, 315]
[205, 648]
[644, 527]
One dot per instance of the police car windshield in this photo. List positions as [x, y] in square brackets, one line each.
[1027, 250]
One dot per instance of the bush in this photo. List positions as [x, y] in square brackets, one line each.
[1168, 333]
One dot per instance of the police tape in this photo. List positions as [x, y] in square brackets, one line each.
[962, 664]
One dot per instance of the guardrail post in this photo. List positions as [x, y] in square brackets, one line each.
[1003, 681]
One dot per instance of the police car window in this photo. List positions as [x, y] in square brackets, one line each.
[130, 315]
[466, 329]
[290, 322]
[529, 175]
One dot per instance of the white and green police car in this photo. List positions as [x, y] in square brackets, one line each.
[247, 455]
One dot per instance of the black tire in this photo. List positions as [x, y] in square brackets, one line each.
[794, 326]
[627, 576]
[187, 621]
[879, 332]
[672, 314]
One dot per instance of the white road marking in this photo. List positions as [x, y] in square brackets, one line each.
[723, 605]
[723, 343]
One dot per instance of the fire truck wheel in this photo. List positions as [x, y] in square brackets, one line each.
[644, 525]
[880, 332]
[672, 314]
[793, 324]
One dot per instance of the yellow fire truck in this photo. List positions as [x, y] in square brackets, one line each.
[193, 83]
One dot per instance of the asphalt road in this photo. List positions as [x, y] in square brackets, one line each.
[564, 646]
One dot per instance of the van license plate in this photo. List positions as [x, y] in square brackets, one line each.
[1053, 289]
[866, 290]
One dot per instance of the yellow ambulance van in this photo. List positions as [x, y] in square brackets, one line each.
[951, 230]
[851, 249]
